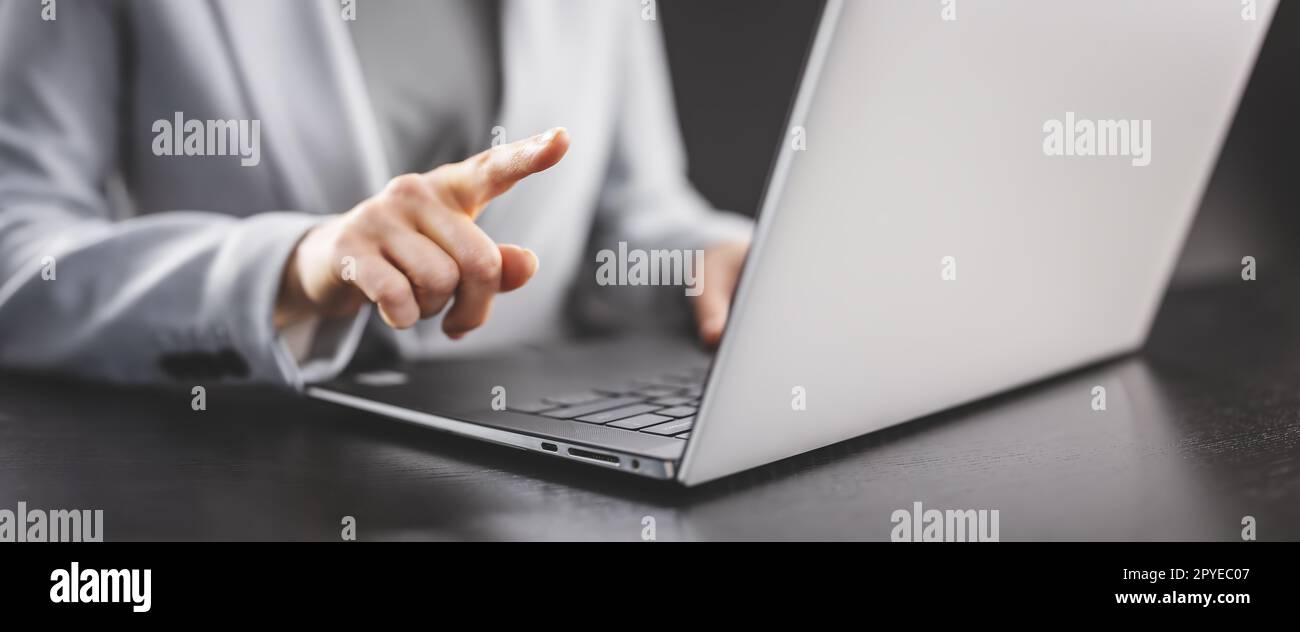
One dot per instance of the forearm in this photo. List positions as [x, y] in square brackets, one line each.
[180, 295]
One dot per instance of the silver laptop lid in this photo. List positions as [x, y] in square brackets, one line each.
[974, 195]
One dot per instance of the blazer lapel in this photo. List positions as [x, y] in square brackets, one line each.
[302, 79]
[344, 66]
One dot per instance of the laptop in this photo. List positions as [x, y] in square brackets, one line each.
[984, 194]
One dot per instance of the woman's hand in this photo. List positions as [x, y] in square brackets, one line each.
[414, 247]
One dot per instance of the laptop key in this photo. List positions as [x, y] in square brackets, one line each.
[572, 412]
[658, 390]
[607, 416]
[671, 428]
[622, 388]
[573, 399]
[677, 411]
[675, 400]
[640, 421]
[683, 379]
[531, 407]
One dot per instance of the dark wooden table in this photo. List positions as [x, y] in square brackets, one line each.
[1201, 429]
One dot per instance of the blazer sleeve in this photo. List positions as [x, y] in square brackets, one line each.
[179, 295]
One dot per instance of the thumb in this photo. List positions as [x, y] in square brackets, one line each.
[476, 181]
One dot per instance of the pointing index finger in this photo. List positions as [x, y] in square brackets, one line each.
[478, 180]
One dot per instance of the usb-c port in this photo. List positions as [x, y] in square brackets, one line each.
[550, 447]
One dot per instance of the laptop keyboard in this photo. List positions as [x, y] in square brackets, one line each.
[663, 406]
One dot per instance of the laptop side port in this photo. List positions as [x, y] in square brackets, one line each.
[594, 456]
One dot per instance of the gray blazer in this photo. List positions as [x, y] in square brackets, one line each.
[116, 263]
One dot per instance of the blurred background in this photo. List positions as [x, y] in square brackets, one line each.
[735, 70]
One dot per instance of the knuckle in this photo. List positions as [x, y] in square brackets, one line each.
[448, 186]
[365, 215]
[489, 163]
[431, 304]
[442, 280]
[441, 176]
[346, 240]
[408, 186]
[483, 265]
[392, 292]
[484, 159]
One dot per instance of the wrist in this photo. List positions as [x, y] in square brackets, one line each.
[291, 303]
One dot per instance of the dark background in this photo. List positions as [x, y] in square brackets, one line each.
[735, 65]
